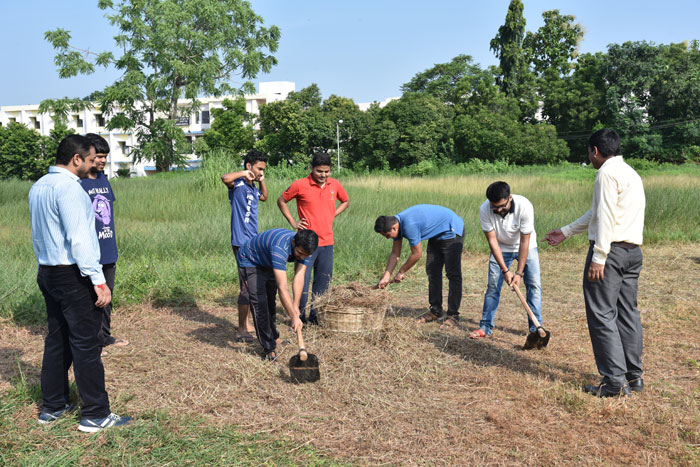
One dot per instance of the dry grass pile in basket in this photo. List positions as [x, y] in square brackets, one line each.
[352, 307]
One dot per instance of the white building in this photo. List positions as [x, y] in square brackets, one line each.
[92, 121]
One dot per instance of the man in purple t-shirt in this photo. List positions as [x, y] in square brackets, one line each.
[244, 196]
[100, 191]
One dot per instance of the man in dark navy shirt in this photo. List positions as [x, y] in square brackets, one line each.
[100, 191]
[244, 195]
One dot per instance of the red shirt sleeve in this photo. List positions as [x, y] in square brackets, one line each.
[291, 192]
[341, 194]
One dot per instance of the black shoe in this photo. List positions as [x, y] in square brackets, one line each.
[532, 341]
[312, 321]
[605, 390]
[636, 385]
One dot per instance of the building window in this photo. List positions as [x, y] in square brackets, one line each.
[35, 123]
[78, 121]
[196, 118]
[100, 120]
[12, 120]
[122, 146]
[205, 117]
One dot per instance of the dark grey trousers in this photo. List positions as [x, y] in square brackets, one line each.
[105, 336]
[614, 321]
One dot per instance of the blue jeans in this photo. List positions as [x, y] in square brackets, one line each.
[321, 263]
[533, 286]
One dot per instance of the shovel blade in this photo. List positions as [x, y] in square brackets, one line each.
[306, 371]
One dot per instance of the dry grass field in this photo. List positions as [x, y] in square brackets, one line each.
[415, 394]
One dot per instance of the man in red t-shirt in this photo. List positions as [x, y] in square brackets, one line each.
[316, 197]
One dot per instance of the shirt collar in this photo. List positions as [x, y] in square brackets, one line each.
[611, 161]
[60, 170]
[313, 182]
[510, 211]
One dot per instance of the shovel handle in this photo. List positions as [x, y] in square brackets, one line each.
[540, 329]
[302, 351]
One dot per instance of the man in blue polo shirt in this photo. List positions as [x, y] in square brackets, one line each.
[97, 186]
[262, 262]
[244, 194]
[444, 231]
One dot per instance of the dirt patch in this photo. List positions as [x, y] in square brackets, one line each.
[414, 394]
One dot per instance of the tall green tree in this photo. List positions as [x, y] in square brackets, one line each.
[171, 50]
[515, 78]
[450, 82]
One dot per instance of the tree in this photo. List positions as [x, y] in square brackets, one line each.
[449, 82]
[172, 49]
[553, 49]
[415, 128]
[308, 97]
[515, 78]
[230, 129]
[62, 107]
[22, 154]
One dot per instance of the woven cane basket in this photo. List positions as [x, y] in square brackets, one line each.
[352, 308]
[353, 319]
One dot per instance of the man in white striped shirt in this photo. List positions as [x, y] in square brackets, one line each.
[70, 278]
[614, 223]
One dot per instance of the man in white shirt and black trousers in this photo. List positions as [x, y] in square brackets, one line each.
[614, 223]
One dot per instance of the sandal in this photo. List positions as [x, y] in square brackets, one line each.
[478, 334]
[271, 357]
[428, 318]
[449, 323]
[244, 338]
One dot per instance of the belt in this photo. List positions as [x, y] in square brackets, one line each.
[57, 266]
[626, 245]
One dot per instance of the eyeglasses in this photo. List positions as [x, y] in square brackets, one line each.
[500, 208]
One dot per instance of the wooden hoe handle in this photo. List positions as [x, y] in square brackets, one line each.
[540, 329]
[302, 351]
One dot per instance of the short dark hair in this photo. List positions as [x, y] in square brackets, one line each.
[497, 191]
[101, 144]
[320, 158]
[383, 224]
[607, 141]
[70, 146]
[306, 239]
[254, 156]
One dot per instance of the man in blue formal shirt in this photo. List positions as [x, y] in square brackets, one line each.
[70, 278]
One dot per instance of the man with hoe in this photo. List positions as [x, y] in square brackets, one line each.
[615, 225]
[243, 194]
[98, 188]
[316, 196]
[444, 231]
[508, 221]
[262, 263]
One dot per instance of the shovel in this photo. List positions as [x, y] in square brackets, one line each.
[303, 367]
[542, 334]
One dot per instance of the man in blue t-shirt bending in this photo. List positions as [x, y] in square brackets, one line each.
[444, 230]
[100, 191]
[262, 263]
[243, 194]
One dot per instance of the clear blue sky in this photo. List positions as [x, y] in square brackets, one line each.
[360, 49]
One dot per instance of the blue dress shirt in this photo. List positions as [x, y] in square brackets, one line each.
[63, 224]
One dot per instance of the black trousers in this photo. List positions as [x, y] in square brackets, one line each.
[447, 254]
[262, 290]
[74, 324]
[110, 271]
[614, 321]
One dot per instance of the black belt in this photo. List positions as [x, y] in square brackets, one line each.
[626, 245]
[57, 266]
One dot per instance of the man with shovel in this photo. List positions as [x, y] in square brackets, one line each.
[444, 231]
[262, 263]
[508, 221]
[615, 224]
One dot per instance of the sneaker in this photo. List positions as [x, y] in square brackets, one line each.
[93, 425]
[46, 417]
